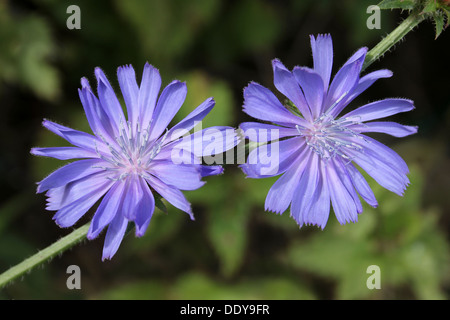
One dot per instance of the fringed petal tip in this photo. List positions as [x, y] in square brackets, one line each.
[271, 210]
[320, 36]
[125, 67]
[348, 221]
[320, 226]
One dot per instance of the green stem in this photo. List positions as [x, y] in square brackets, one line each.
[391, 39]
[58, 247]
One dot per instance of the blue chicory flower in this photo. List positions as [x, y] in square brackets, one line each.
[129, 161]
[316, 151]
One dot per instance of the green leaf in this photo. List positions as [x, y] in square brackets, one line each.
[439, 21]
[446, 12]
[430, 6]
[397, 4]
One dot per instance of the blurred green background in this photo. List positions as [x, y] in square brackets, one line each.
[234, 249]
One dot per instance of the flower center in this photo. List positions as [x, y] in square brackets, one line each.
[329, 137]
[133, 153]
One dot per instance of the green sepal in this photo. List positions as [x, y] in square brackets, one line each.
[159, 204]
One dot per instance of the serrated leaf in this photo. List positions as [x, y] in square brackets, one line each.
[430, 6]
[439, 21]
[447, 14]
[397, 4]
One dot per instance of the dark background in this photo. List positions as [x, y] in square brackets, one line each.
[234, 250]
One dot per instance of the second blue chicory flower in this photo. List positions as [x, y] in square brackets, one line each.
[315, 148]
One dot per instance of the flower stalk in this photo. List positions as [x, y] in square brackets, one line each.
[42, 256]
[392, 38]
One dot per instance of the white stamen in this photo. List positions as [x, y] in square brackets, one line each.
[329, 138]
[132, 153]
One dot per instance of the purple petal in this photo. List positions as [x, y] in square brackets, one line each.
[63, 153]
[379, 109]
[107, 210]
[306, 189]
[148, 94]
[208, 142]
[180, 176]
[361, 185]
[280, 194]
[285, 82]
[171, 194]
[262, 104]
[383, 173]
[383, 153]
[206, 171]
[176, 155]
[170, 101]
[322, 51]
[344, 82]
[263, 132]
[130, 92]
[360, 53]
[71, 213]
[109, 101]
[77, 138]
[273, 159]
[133, 194]
[312, 86]
[185, 125]
[364, 83]
[320, 206]
[144, 210]
[346, 180]
[57, 198]
[70, 172]
[392, 128]
[343, 204]
[114, 236]
[96, 116]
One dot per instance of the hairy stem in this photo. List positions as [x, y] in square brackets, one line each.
[56, 248]
[392, 38]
